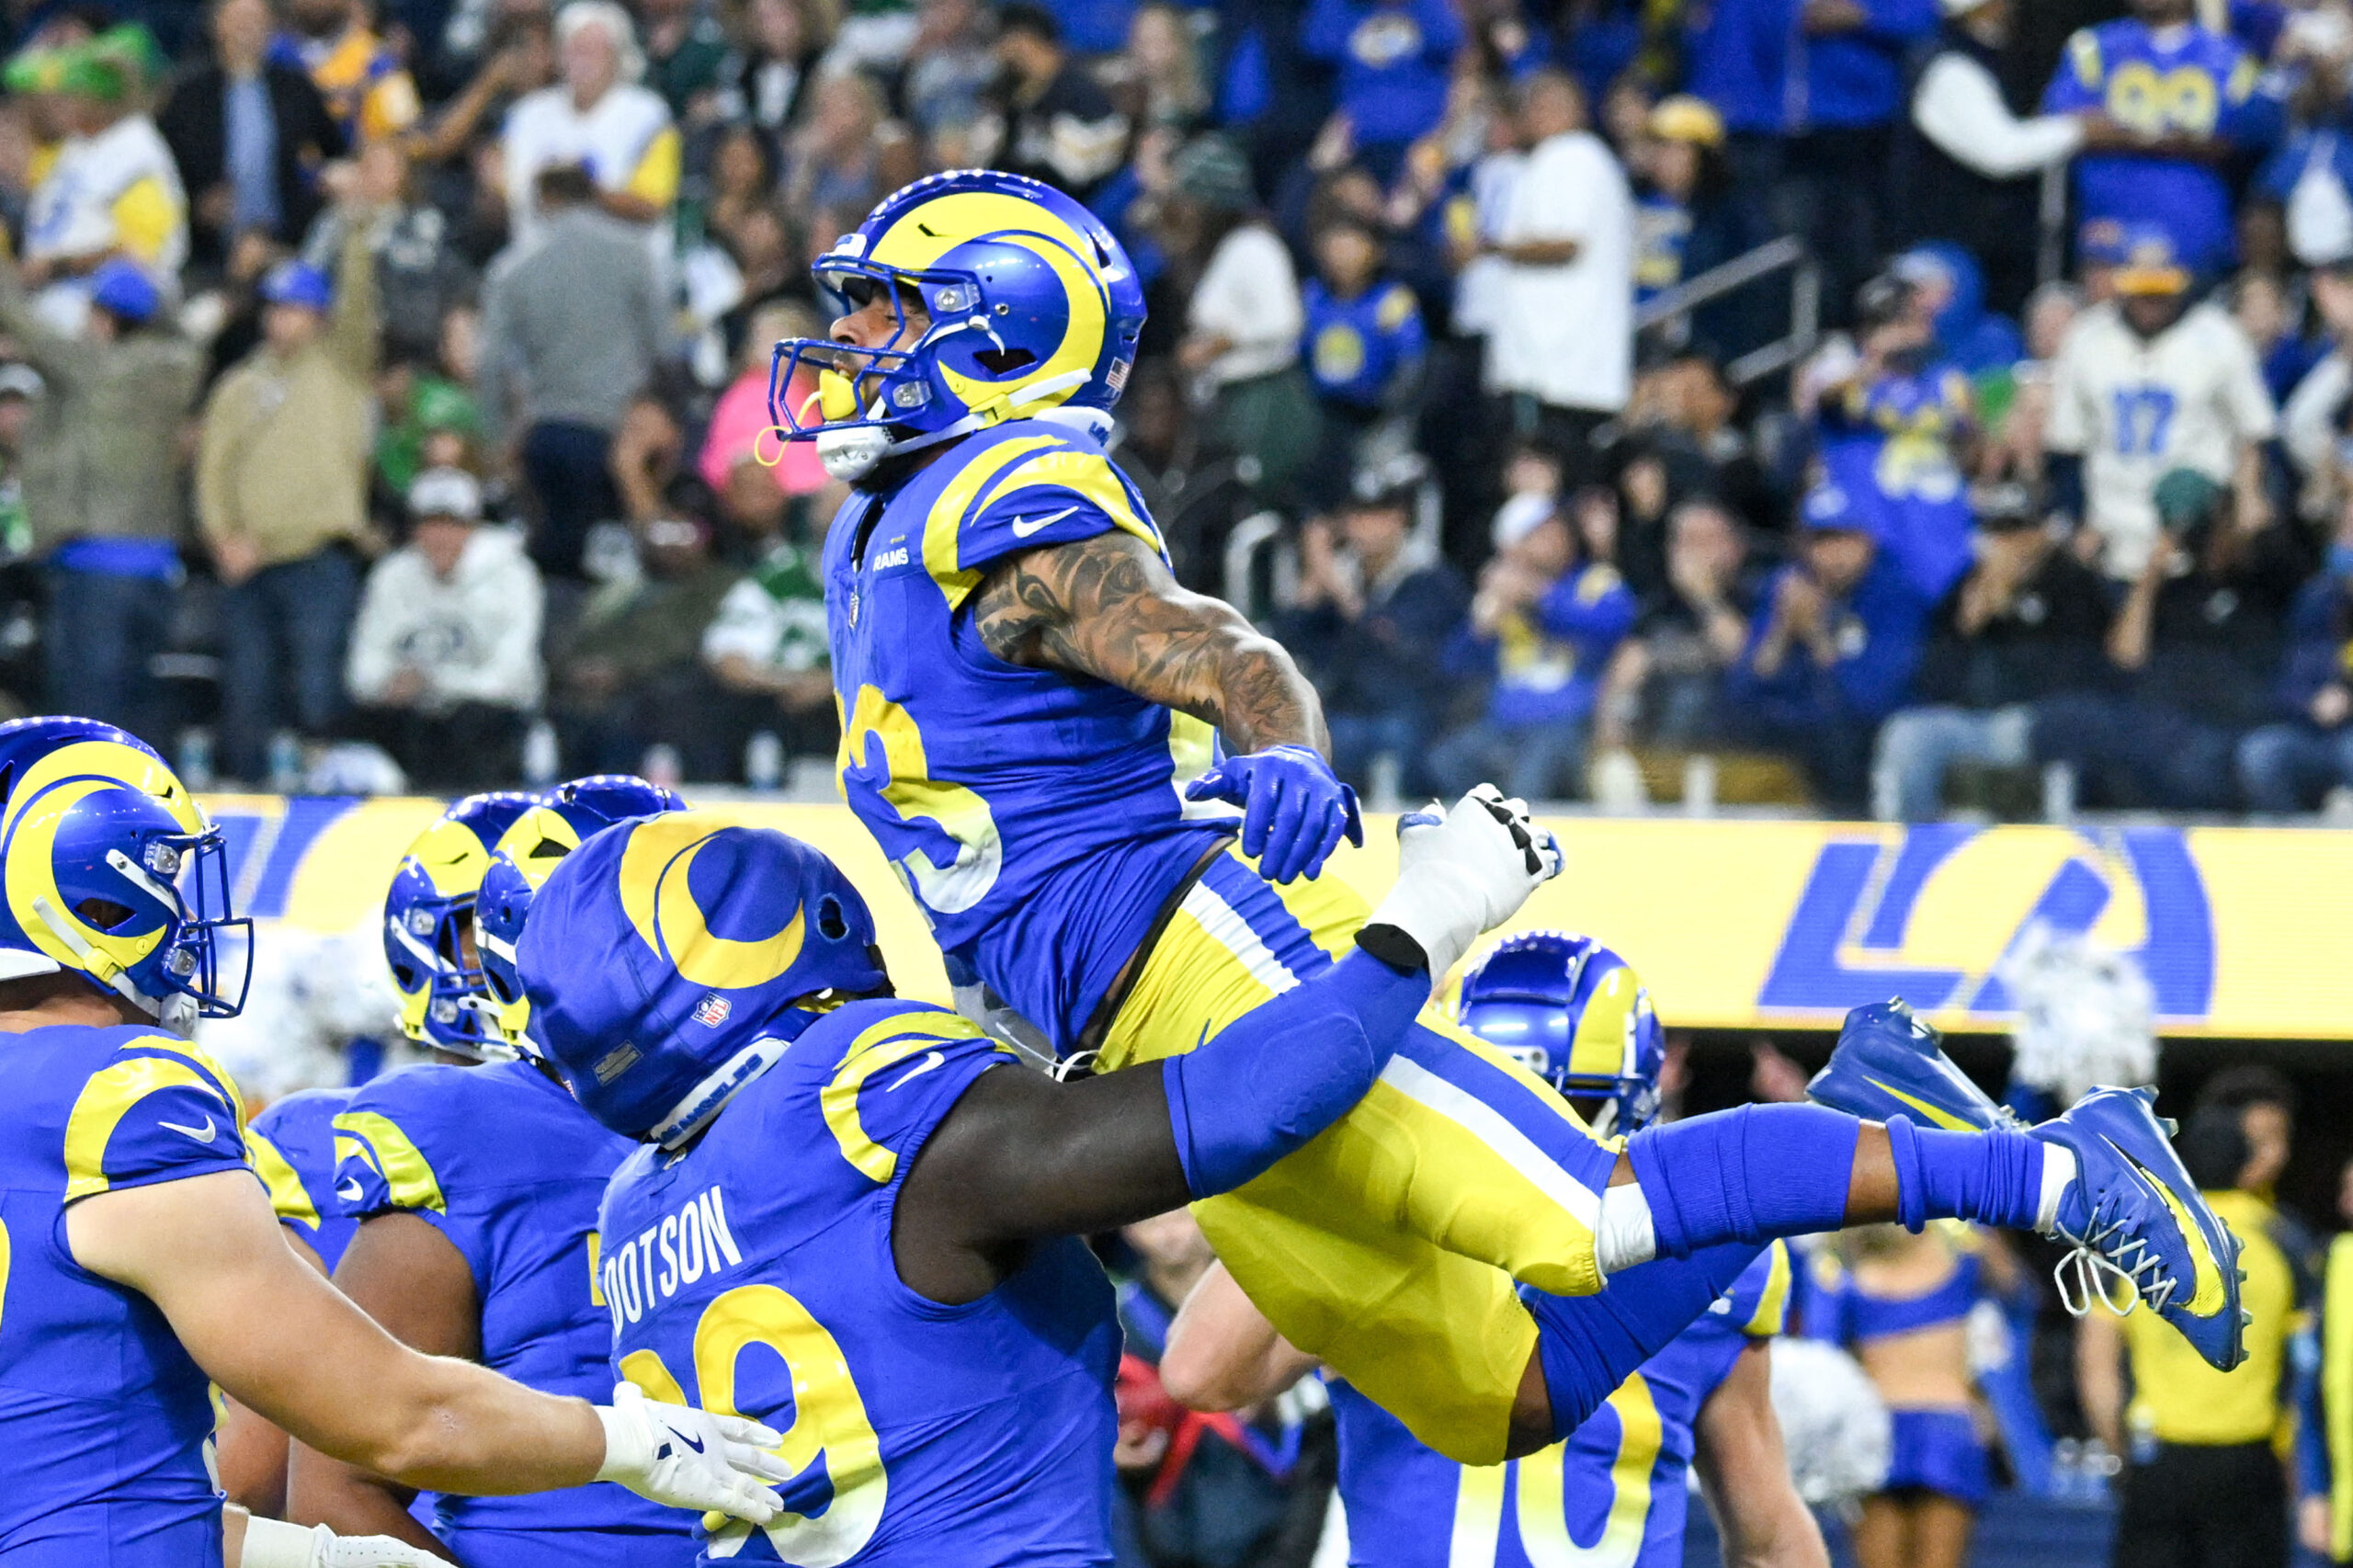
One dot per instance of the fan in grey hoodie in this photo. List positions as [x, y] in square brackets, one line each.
[444, 671]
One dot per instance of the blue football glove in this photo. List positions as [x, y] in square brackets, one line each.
[1294, 808]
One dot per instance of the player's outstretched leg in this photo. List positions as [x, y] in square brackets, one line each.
[2102, 1177]
[1889, 1064]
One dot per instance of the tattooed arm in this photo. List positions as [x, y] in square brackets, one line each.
[1108, 606]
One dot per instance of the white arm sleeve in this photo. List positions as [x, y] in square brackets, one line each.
[2308, 421]
[1959, 109]
[2245, 399]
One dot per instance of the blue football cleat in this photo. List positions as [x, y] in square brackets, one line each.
[1889, 1063]
[2135, 1217]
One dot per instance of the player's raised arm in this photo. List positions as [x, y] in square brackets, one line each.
[206, 1250]
[1023, 1156]
[1108, 606]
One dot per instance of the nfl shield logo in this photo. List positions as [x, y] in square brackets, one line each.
[712, 1010]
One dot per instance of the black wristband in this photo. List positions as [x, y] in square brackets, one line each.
[1393, 946]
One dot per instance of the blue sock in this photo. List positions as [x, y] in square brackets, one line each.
[1747, 1176]
[1993, 1177]
[1286, 1070]
[1588, 1343]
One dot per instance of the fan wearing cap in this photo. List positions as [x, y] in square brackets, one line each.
[445, 655]
[102, 488]
[281, 491]
[2188, 99]
[1376, 604]
[1685, 219]
[113, 190]
[1543, 626]
[2147, 382]
[1837, 647]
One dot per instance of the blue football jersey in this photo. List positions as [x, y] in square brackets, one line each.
[752, 1274]
[1034, 815]
[1355, 348]
[1907, 430]
[104, 1421]
[2183, 81]
[1614, 1491]
[293, 1144]
[503, 1162]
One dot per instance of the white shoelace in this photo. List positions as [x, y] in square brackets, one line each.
[2101, 1257]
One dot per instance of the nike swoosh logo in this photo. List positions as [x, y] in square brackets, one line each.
[1024, 527]
[2206, 1273]
[928, 1062]
[694, 1443]
[349, 1191]
[1943, 1118]
[202, 1135]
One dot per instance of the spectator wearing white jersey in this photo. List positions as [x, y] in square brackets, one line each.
[1566, 354]
[598, 117]
[2147, 382]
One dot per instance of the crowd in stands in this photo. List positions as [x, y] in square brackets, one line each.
[385, 390]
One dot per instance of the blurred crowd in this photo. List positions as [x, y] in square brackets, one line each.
[385, 400]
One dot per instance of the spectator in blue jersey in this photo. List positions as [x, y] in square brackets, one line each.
[2290, 764]
[1834, 649]
[1898, 424]
[1376, 605]
[1245, 1489]
[1363, 343]
[1394, 58]
[2185, 102]
[1688, 218]
[1542, 628]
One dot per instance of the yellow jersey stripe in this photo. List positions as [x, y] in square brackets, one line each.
[287, 1196]
[888, 1042]
[406, 1172]
[1773, 1305]
[1087, 474]
[940, 527]
[106, 1099]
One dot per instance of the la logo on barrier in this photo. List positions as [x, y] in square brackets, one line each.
[1929, 913]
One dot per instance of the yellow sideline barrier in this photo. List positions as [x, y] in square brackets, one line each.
[2244, 932]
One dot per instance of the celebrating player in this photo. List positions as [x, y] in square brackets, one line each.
[1575, 1012]
[1026, 689]
[166, 1266]
[476, 1182]
[844, 1215]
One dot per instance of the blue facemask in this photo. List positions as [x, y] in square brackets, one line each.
[2340, 561]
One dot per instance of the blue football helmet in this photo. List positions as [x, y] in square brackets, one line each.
[1034, 312]
[664, 960]
[1574, 1013]
[428, 927]
[567, 817]
[114, 873]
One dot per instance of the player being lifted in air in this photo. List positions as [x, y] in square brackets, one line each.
[1575, 1013]
[1026, 691]
[140, 1256]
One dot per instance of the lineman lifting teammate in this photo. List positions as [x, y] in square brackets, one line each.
[1026, 691]
[140, 1256]
[1573, 1011]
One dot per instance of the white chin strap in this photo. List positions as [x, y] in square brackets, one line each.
[850, 455]
[176, 1011]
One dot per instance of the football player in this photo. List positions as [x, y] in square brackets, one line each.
[476, 1182]
[842, 1213]
[1025, 690]
[140, 1255]
[1574, 1011]
[292, 1144]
